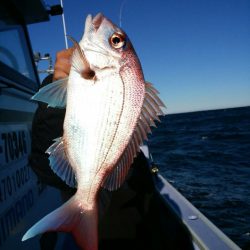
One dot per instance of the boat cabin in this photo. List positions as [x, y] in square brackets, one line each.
[21, 193]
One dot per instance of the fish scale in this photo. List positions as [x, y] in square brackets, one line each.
[95, 129]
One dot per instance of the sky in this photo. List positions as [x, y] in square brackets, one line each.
[195, 52]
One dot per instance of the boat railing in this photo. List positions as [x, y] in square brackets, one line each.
[204, 233]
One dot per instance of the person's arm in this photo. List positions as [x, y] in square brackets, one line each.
[62, 64]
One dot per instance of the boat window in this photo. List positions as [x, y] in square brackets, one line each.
[14, 51]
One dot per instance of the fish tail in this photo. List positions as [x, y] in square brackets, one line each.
[71, 217]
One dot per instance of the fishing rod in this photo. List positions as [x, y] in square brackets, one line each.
[64, 27]
[53, 10]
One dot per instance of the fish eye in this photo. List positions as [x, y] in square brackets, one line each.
[117, 40]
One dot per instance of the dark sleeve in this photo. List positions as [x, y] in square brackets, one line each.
[47, 125]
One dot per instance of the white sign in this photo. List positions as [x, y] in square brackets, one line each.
[19, 187]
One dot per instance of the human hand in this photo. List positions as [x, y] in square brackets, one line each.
[62, 64]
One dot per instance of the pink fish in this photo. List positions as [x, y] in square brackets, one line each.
[109, 111]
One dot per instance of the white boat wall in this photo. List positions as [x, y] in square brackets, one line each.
[21, 193]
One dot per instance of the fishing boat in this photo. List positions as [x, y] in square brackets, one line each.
[145, 213]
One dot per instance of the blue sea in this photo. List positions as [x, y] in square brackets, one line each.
[206, 156]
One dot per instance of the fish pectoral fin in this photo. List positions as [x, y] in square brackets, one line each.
[59, 163]
[80, 62]
[54, 94]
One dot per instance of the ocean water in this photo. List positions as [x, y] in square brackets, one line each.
[206, 156]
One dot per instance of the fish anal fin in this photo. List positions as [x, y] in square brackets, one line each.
[60, 164]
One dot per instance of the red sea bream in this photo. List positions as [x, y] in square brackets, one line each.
[109, 111]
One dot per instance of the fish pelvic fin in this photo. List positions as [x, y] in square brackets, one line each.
[55, 94]
[71, 217]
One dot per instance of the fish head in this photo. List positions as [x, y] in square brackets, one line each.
[104, 44]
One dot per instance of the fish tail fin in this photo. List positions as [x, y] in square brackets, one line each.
[71, 217]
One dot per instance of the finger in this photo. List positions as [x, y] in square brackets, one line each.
[60, 73]
[62, 64]
[64, 54]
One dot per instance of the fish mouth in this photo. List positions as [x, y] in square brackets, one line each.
[97, 20]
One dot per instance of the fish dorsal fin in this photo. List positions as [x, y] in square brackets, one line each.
[151, 109]
[55, 94]
[60, 164]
